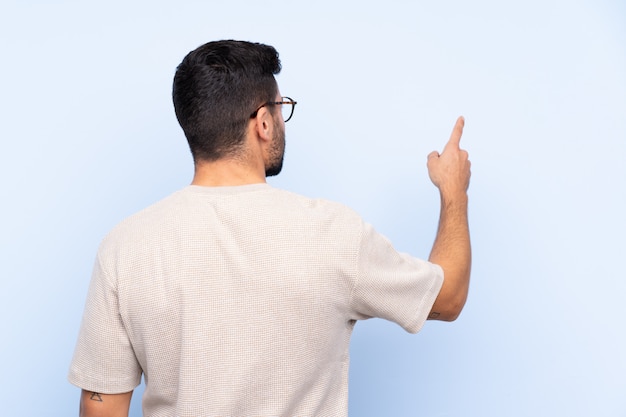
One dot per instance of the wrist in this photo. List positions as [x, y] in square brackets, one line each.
[454, 198]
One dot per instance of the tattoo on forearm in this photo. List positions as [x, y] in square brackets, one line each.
[96, 397]
[433, 315]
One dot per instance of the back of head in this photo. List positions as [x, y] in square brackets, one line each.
[216, 89]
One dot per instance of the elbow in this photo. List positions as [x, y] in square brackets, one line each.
[450, 310]
[450, 316]
[456, 307]
[447, 316]
[451, 299]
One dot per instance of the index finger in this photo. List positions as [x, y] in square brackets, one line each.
[457, 131]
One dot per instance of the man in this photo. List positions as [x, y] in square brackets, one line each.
[233, 298]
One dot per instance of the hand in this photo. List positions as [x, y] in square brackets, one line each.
[450, 170]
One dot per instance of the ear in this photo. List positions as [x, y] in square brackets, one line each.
[264, 125]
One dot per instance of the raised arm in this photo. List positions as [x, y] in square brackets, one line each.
[93, 404]
[450, 172]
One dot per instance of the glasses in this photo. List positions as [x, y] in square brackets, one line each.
[287, 105]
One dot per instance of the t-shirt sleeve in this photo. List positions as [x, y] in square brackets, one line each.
[104, 360]
[392, 285]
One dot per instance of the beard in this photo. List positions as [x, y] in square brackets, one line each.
[277, 151]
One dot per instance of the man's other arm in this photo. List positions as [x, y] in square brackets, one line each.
[93, 404]
[450, 172]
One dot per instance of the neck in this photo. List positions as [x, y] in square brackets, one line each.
[227, 172]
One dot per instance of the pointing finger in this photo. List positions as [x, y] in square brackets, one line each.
[455, 137]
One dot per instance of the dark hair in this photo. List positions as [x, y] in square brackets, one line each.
[216, 89]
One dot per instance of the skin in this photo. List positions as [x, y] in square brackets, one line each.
[450, 173]
[265, 142]
[93, 404]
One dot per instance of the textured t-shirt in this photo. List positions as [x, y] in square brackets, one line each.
[240, 301]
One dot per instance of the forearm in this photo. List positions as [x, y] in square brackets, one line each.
[452, 251]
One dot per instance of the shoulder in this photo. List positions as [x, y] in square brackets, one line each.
[317, 204]
[324, 213]
[141, 223]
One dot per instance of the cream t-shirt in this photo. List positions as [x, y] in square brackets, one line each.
[240, 301]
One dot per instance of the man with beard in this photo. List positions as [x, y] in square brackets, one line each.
[233, 298]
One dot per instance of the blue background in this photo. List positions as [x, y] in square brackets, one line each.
[89, 137]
